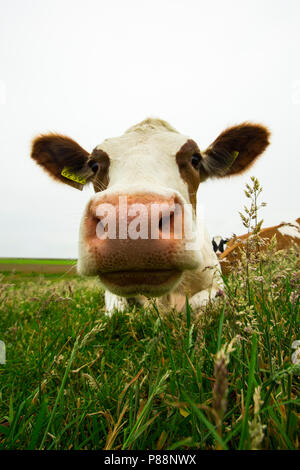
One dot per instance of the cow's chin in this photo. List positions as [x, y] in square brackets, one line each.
[150, 283]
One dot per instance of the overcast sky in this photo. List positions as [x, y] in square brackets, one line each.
[92, 68]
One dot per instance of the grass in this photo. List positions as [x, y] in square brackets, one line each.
[146, 379]
[219, 378]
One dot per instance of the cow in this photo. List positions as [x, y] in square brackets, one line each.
[218, 244]
[151, 165]
[287, 235]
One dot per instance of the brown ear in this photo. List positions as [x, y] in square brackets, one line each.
[57, 153]
[234, 151]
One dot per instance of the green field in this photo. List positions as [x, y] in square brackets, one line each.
[223, 377]
[148, 379]
[39, 265]
[39, 261]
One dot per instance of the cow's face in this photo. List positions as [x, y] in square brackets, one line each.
[218, 244]
[138, 232]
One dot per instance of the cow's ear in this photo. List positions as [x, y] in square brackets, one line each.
[234, 151]
[63, 159]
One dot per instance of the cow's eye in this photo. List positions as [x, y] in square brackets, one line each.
[195, 160]
[94, 167]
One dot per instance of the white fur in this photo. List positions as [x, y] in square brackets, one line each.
[292, 230]
[114, 302]
[217, 239]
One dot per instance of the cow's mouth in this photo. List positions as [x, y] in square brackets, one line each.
[145, 282]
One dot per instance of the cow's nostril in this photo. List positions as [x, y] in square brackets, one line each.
[101, 229]
[160, 224]
[166, 224]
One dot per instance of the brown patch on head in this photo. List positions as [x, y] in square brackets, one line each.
[234, 151]
[54, 152]
[188, 172]
[101, 178]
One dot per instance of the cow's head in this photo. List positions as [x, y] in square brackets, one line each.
[218, 244]
[134, 230]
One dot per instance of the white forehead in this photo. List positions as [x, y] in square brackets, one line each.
[146, 154]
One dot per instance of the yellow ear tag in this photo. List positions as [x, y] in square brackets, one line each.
[235, 155]
[67, 173]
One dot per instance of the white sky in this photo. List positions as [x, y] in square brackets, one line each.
[92, 68]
